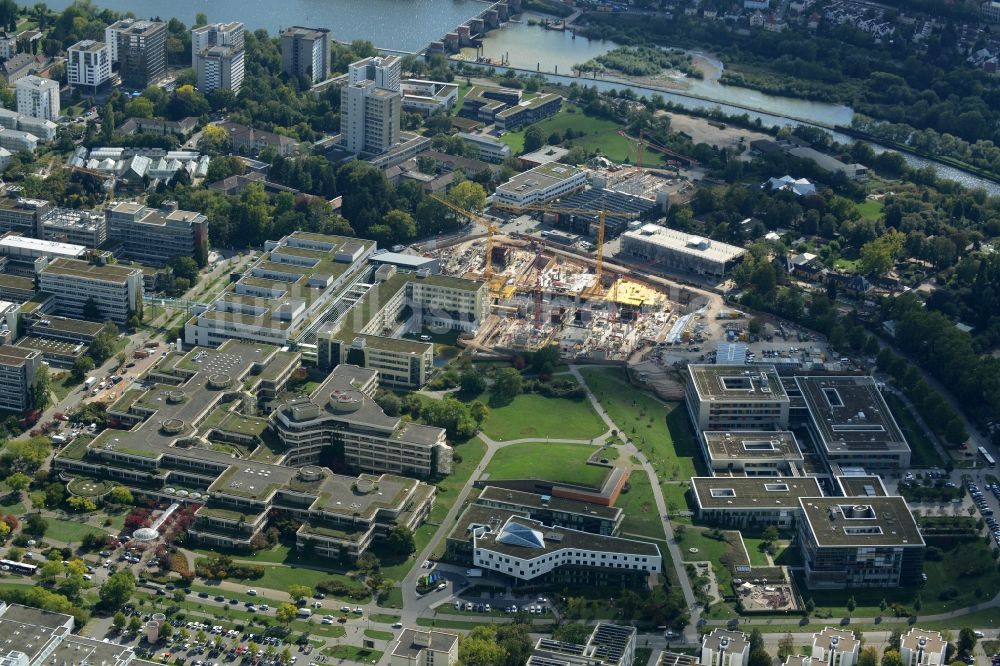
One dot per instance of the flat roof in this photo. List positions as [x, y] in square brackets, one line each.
[764, 493]
[555, 538]
[524, 104]
[43, 246]
[540, 178]
[412, 642]
[929, 641]
[861, 486]
[82, 269]
[54, 324]
[751, 445]
[737, 383]
[559, 504]
[850, 414]
[684, 243]
[849, 522]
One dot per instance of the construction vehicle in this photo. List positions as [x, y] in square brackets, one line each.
[491, 229]
[597, 290]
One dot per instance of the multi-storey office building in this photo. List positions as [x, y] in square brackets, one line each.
[541, 184]
[155, 236]
[79, 227]
[742, 501]
[735, 397]
[161, 439]
[38, 97]
[559, 511]
[851, 423]
[28, 256]
[306, 52]
[608, 645]
[531, 111]
[369, 334]
[920, 647]
[859, 542]
[115, 290]
[751, 453]
[725, 648]
[18, 373]
[88, 64]
[681, 251]
[342, 414]
[22, 214]
[141, 52]
[418, 647]
[294, 281]
[217, 55]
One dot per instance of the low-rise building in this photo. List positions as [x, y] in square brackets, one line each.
[155, 236]
[530, 552]
[79, 227]
[527, 112]
[182, 127]
[17, 67]
[831, 164]
[115, 291]
[419, 647]
[43, 129]
[29, 256]
[483, 103]
[681, 251]
[608, 645]
[341, 414]
[751, 453]
[16, 141]
[541, 184]
[849, 542]
[735, 397]
[490, 149]
[427, 97]
[751, 501]
[21, 214]
[553, 510]
[851, 423]
[250, 141]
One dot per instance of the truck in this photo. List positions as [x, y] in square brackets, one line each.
[151, 344]
[304, 612]
[89, 382]
[141, 353]
[473, 573]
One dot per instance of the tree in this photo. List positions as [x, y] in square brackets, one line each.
[117, 589]
[166, 631]
[185, 268]
[534, 139]
[760, 658]
[214, 140]
[121, 495]
[81, 504]
[471, 382]
[877, 256]
[468, 195]
[81, 366]
[119, 620]
[400, 541]
[851, 604]
[40, 391]
[892, 658]
[91, 310]
[36, 525]
[966, 641]
[479, 411]
[868, 656]
[770, 535]
[134, 624]
[480, 648]
[285, 613]
[18, 482]
[545, 360]
[507, 385]
[786, 647]
[298, 592]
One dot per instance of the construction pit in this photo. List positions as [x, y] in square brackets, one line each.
[540, 298]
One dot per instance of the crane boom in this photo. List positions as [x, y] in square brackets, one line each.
[490, 227]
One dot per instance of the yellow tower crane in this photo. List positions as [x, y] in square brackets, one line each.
[491, 229]
[597, 289]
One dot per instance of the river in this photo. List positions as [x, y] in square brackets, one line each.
[401, 25]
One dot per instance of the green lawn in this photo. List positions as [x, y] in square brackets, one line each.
[384, 618]
[757, 557]
[379, 635]
[534, 415]
[600, 134]
[870, 210]
[559, 463]
[923, 452]
[675, 497]
[353, 653]
[277, 577]
[69, 531]
[641, 516]
[660, 430]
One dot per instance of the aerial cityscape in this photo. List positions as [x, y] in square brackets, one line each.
[500, 333]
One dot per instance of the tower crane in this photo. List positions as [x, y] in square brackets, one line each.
[491, 229]
[597, 290]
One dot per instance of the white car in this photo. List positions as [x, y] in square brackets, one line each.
[345, 609]
[252, 593]
[326, 621]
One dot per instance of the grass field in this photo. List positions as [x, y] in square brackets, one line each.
[379, 635]
[758, 557]
[278, 577]
[534, 415]
[600, 134]
[561, 463]
[660, 430]
[870, 210]
[69, 531]
[924, 453]
[353, 653]
[384, 618]
[675, 497]
[641, 516]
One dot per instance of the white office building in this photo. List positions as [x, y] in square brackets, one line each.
[541, 184]
[38, 97]
[217, 55]
[490, 149]
[88, 63]
[370, 105]
[116, 290]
